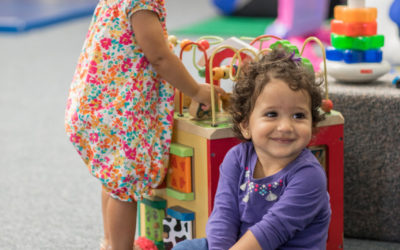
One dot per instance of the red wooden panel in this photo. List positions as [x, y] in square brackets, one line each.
[216, 150]
[332, 137]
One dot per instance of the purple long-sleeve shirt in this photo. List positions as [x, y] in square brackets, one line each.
[288, 210]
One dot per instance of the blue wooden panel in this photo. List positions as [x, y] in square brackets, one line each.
[180, 213]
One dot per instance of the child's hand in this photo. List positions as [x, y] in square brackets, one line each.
[203, 94]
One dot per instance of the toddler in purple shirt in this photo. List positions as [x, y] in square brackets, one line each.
[272, 191]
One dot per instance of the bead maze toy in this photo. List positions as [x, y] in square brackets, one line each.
[199, 146]
[355, 54]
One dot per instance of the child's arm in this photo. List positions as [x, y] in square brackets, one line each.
[247, 241]
[150, 37]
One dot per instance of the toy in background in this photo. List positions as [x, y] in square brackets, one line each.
[394, 14]
[396, 82]
[254, 8]
[388, 21]
[295, 19]
[257, 8]
[299, 19]
[355, 55]
[199, 145]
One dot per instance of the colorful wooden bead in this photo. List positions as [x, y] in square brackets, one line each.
[226, 70]
[202, 72]
[203, 45]
[327, 105]
[172, 39]
[184, 45]
[218, 73]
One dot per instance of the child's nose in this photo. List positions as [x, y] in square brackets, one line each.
[285, 125]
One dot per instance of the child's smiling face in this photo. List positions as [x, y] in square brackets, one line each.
[280, 125]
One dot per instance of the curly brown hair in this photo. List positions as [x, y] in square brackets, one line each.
[255, 75]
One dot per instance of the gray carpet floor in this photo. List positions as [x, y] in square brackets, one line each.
[48, 200]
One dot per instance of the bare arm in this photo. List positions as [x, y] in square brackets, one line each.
[150, 37]
[247, 241]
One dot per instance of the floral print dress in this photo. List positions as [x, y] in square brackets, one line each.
[119, 112]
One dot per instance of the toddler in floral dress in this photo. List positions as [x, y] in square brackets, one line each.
[120, 107]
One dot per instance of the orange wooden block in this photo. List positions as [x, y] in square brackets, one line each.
[355, 15]
[353, 29]
[180, 173]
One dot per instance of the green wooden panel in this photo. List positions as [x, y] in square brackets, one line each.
[181, 150]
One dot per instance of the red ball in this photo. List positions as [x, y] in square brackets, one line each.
[327, 105]
[203, 45]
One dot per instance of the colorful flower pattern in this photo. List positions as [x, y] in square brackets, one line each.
[119, 112]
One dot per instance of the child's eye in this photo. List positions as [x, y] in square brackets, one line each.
[271, 114]
[299, 116]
